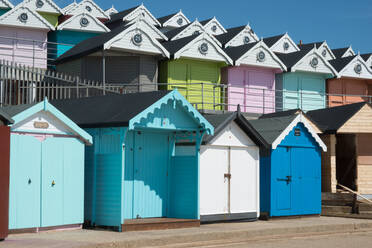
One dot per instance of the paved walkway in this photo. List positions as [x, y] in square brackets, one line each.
[231, 231]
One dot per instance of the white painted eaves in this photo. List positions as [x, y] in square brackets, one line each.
[48, 7]
[140, 20]
[81, 8]
[73, 24]
[348, 70]
[286, 36]
[176, 16]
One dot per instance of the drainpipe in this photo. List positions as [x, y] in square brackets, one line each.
[104, 71]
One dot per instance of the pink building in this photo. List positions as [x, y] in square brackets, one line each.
[251, 82]
[23, 37]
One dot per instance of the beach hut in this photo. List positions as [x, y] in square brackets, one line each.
[237, 36]
[304, 84]
[85, 6]
[173, 21]
[195, 69]
[213, 26]
[282, 43]
[193, 28]
[24, 37]
[139, 175]
[321, 47]
[251, 82]
[46, 8]
[354, 83]
[347, 132]
[229, 170]
[5, 120]
[5, 6]
[343, 52]
[290, 170]
[46, 169]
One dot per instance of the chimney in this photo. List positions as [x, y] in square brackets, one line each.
[300, 42]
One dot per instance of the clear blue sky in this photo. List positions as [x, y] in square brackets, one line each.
[339, 22]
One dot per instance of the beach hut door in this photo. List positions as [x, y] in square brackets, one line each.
[284, 179]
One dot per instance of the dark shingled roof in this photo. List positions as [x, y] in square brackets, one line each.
[338, 52]
[13, 110]
[172, 33]
[205, 21]
[340, 63]
[164, 19]
[310, 45]
[90, 45]
[5, 117]
[270, 41]
[231, 33]
[107, 111]
[220, 121]
[329, 120]
[271, 128]
[290, 59]
[119, 16]
[281, 113]
[366, 56]
[236, 52]
[175, 45]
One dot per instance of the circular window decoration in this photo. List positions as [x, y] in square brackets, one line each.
[180, 21]
[324, 52]
[137, 39]
[84, 22]
[39, 3]
[358, 68]
[214, 28]
[246, 39]
[88, 8]
[286, 46]
[196, 32]
[314, 62]
[203, 48]
[261, 56]
[23, 17]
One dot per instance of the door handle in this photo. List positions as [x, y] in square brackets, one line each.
[288, 179]
[29, 181]
[227, 175]
[53, 183]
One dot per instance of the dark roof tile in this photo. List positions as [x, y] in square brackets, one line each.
[270, 41]
[340, 63]
[164, 19]
[231, 33]
[236, 52]
[338, 52]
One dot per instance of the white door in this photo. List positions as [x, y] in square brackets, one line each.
[213, 184]
[244, 180]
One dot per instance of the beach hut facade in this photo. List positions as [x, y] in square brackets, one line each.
[46, 8]
[213, 26]
[138, 168]
[46, 168]
[237, 36]
[85, 6]
[282, 43]
[173, 21]
[290, 171]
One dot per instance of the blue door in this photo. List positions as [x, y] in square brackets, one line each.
[151, 156]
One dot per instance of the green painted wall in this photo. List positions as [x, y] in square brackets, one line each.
[3, 11]
[187, 74]
[51, 18]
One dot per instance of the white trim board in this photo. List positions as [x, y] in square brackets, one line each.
[189, 30]
[140, 20]
[5, 4]
[238, 39]
[83, 6]
[219, 29]
[111, 11]
[173, 21]
[278, 46]
[349, 69]
[48, 6]
[348, 52]
[70, 6]
[143, 11]
[74, 23]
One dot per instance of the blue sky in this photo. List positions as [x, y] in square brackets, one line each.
[339, 22]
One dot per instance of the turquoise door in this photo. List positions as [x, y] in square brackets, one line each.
[282, 176]
[150, 193]
[24, 188]
[313, 93]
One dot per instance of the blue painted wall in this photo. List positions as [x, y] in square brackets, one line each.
[300, 158]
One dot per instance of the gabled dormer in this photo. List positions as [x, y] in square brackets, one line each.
[23, 17]
[150, 29]
[84, 22]
[322, 47]
[281, 44]
[213, 26]
[238, 36]
[352, 66]
[367, 58]
[111, 11]
[87, 6]
[193, 28]
[5, 6]
[70, 6]
[174, 20]
[46, 8]
[343, 52]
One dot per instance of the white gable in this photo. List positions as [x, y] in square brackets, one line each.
[125, 41]
[143, 11]
[251, 57]
[70, 6]
[190, 30]
[193, 50]
[351, 69]
[5, 4]
[240, 39]
[32, 19]
[87, 6]
[305, 64]
[285, 45]
[144, 23]
[349, 52]
[232, 135]
[176, 21]
[369, 61]
[47, 6]
[326, 52]
[111, 11]
[214, 27]
[76, 23]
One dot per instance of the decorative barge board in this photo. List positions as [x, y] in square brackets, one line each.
[343, 52]
[237, 36]
[354, 84]
[251, 82]
[111, 11]
[190, 29]
[347, 131]
[304, 85]
[321, 47]
[5, 120]
[27, 32]
[213, 26]
[128, 55]
[85, 6]
[173, 21]
[71, 32]
[46, 168]
[5, 6]
[229, 170]
[290, 170]
[129, 15]
[46, 8]
[281, 44]
[69, 7]
[138, 175]
[195, 69]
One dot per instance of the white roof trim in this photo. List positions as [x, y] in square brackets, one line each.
[111, 10]
[23, 8]
[348, 50]
[52, 4]
[315, 51]
[179, 35]
[290, 41]
[266, 48]
[71, 10]
[70, 6]
[177, 14]
[361, 60]
[218, 24]
[248, 28]
[147, 12]
[329, 49]
[300, 118]
[65, 24]
[208, 37]
[119, 36]
[139, 19]
[6, 4]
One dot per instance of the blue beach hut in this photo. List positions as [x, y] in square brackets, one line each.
[139, 173]
[290, 171]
